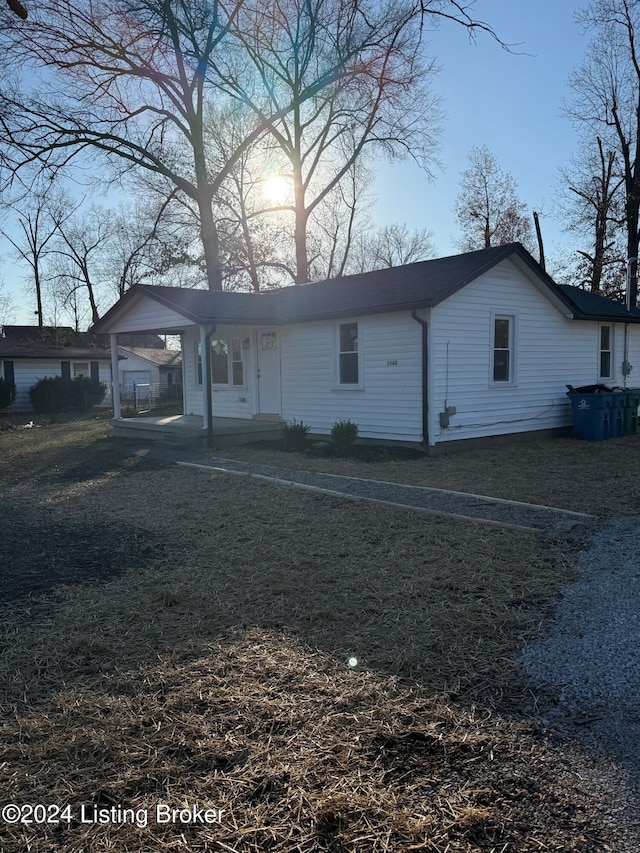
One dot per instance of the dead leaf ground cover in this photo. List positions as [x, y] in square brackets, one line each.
[207, 666]
[594, 477]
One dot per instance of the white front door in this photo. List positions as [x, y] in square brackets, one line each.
[268, 362]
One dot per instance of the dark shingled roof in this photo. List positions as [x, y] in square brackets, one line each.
[10, 350]
[419, 285]
[55, 335]
[593, 306]
[161, 357]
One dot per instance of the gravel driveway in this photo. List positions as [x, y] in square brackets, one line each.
[586, 669]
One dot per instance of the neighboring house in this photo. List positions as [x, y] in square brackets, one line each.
[160, 368]
[461, 347]
[30, 353]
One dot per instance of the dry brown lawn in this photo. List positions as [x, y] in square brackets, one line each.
[595, 477]
[169, 637]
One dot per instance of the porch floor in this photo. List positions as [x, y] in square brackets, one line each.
[189, 430]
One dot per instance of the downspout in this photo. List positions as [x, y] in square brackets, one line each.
[626, 367]
[425, 384]
[207, 357]
[115, 378]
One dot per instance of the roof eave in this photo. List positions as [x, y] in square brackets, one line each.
[606, 318]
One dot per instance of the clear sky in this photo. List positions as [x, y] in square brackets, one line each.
[511, 102]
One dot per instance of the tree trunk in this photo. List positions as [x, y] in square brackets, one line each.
[210, 244]
[38, 287]
[300, 230]
[632, 252]
[95, 316]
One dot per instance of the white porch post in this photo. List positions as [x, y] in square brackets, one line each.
[205, 377]
[115, 377]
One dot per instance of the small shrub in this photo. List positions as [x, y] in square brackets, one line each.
[295, 435]
[344, 433]
[87, 392]
[53, 394]
[7, 393]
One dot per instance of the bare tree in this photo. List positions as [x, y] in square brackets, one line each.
[488, 208]
[80, 242]
[133, 81]
[251, 206]
[394, 245]
[593, 209]
[37, 225]
[7, 307]
[380, 97]
[127, 80]
[607, 102]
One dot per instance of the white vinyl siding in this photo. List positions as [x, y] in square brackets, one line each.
[144, 314]
[28, 371]
[137, 364]
[388, 406]
[549, 349]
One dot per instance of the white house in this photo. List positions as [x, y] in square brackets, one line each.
[31, 353]
[149, 370]
[467, 346]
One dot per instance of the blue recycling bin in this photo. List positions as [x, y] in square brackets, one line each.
[592, 415]
[619, 402]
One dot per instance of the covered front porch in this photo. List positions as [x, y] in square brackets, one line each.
[190, 430]
[231, 389]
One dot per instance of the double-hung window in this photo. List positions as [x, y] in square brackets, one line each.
[503, 331]
[219, 362]
[227, 365]
[606, 352]
[348, 355]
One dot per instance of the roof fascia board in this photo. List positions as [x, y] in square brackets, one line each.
[354, 312]
[603, 318]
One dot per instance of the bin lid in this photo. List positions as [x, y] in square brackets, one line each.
[590, 389]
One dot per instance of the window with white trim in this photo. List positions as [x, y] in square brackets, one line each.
[80, 368]
[348, 355]
[227, 363]
[502, 367]
[606, 351]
